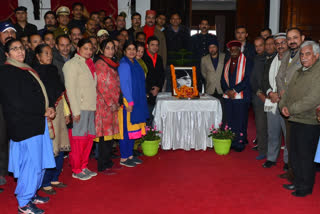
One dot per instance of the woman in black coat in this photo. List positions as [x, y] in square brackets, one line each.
[56, 93]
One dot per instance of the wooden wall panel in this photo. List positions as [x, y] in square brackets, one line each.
[302, 14]
[254, 15]
[170, 6]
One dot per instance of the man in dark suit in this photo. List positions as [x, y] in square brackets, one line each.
[235, 83]
[247, 48]
[155, 76]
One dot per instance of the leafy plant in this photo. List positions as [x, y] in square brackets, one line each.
[221, 132]
[152, 134]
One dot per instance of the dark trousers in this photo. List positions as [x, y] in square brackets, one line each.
[105, 154]
[53, 174]
[261, 128]
[236, 117]
[4, 142]
[150, 108]
[303, 145]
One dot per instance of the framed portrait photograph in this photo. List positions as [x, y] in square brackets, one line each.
[184, 81]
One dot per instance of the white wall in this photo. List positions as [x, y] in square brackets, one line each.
[123, 5]
[141, 7]
[274, 16]
[44, 7]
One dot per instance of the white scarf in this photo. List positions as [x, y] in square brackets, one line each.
[274, 68]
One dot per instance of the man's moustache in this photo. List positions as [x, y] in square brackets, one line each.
[8, 38]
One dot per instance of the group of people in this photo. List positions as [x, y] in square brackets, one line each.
[89, 79]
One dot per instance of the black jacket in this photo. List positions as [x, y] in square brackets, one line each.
[51, 80]
[265, 84]
[29, 29]
[23, 103]
[3, 56]
[155, 76]
[256, 78]
[177, 40]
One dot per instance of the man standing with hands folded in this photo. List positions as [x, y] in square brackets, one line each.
[298, 103]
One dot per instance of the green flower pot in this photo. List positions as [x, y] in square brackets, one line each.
[150, 148]
[221, 146]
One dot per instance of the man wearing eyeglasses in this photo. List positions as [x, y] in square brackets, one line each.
[7, 32]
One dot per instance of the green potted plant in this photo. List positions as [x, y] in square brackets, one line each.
[151, 141]
[221, 139]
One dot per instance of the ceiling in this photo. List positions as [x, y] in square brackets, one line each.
[214, 4]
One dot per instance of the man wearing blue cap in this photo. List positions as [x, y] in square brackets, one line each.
[22, 26]
[7, 32]
[212, 68]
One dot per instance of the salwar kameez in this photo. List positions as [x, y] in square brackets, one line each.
[28, 160]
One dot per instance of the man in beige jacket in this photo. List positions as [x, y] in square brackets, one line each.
[299, 103]
[212, 68]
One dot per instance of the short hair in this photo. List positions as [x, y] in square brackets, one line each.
[121, 15]
[9, 43]
[94, 13]
[266, 29]
[295, 28]
[140, 44]
[23, 35]
[90, 20]
[135, 14]
[315, 46]
[77, 4]
[62, 36]
[241, 26]
[34, 34]
[128, 43]
[123, 30]
[39, 48]
[259, 37]
[74, 27]
[84, 41]
[140, 33]
[269, 37]
[102, 10]
[175, 13]
[161, 14]
[47, 33]
[152, 38]
[106, 18]
[204, 19]
[48, 13]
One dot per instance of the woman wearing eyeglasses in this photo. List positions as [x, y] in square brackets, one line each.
[26, 108]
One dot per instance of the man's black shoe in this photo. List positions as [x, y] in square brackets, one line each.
[255, 148]
[285, 167]
[268, 164]
[289, 186]
[255, 141]
[298, 193]
[1, 190]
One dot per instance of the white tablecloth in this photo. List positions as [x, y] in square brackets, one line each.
[185, 123]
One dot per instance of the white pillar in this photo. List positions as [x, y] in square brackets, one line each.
[45, 6]
[141, 7]
[274, 16]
